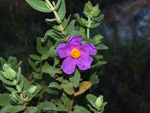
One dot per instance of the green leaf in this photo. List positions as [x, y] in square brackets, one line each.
[58, 4]
[49, 21]
[58, 42]
[54, 85]
[34, 65]
[39, 5]
[13, 62]
[79, 19]
[94, 79]
[98, 38]
[71, 26]
[98, 57]
[60, 107]
[68, 88]
[26, 84]
[75, 79]
[52, 34]
[52, 52]
[89, 41]
[2, 61]
[80, 109]
[101, 47]
[65, 22]
[98, 19]
[4, 100]
[21, 84]
[12, 83]
[94, 25]
[56, 61]
[62, 10]
[99, 63]
[91, 98]
[32, 109]
[53, 71]
[41, 46]
[74, 33]
[10, 88]
[44, 56]
[35, 57]
[37, 76]
[46, 106]
[67, 104]
[12, 109]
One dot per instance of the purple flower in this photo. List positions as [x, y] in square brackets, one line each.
[76, 54]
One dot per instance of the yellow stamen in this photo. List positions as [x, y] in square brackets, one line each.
[75, 53]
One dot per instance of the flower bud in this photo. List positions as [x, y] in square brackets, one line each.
[32, 89]
[99, 101]
[8, 73]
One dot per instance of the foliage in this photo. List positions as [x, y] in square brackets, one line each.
[64, 90]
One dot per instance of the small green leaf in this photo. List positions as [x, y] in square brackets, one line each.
[2, 61]
[74, 33]
[79, 19]
[35, 57]
[58, 4]
[94, 79]
[62, 10]
[89, 40]
[26, 84]
[13, 62]
[98, 38]
[12, 83]
[71, 26]
[32, 109]
[37, 76]
[54, 85]
[53, 71]
[101, 47]
[91, 98]
[46, 106]
[68, 88]
[10, 88]
[75, 78]
[58, 42]
[12, 109]
[49, 21]
[41, 46]
[39, 5]
[4, 100]
[99, 18]
[94, 25]
[34, 65]
[99, 63]
[44, 56]
[52, 34]
[65, 22]
[52, 52]
[80, 109]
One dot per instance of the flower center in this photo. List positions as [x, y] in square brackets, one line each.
[75, 53]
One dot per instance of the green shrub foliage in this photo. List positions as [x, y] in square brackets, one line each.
[51, 89]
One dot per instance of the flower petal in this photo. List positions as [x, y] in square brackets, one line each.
[75, 40]
[63, 50]
[84, 62]
[69, 65]
[88, 48]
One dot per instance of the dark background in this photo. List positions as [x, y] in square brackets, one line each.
[125, 82]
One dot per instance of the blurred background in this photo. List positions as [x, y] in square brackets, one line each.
[125, 82]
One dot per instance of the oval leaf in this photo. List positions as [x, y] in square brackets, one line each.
[39, 5]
